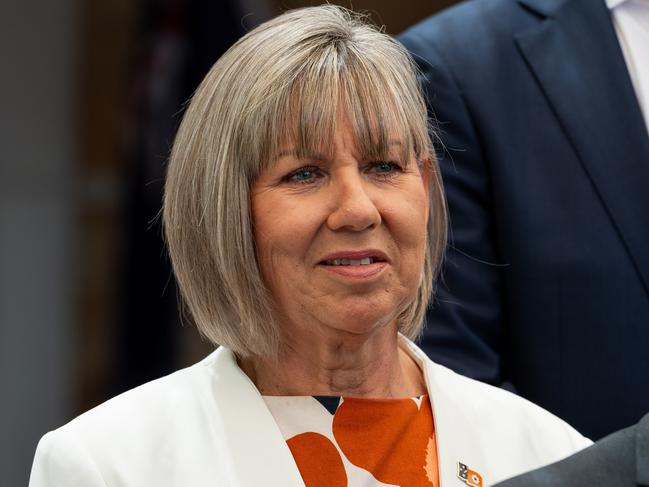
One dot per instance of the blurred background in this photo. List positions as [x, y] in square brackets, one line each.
[91, 94]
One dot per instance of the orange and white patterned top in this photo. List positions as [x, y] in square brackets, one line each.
[352, 442]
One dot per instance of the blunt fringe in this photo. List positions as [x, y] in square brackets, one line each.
[285, 80]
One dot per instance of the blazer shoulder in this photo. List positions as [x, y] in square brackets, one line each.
[514, 415]
[610, 461]
[180, 391]
[148, 412]
[481, 15]
[508, 434]
[61, 461]
[175, 417]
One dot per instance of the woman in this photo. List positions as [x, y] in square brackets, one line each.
[305, 221]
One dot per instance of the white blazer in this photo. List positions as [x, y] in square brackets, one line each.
[207, 425]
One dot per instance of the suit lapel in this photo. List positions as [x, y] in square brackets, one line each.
[258, 454]
[576, 59]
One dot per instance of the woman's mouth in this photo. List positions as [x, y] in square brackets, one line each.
[355, 265]
[363, 261]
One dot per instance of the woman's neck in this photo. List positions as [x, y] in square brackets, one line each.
[339, 364]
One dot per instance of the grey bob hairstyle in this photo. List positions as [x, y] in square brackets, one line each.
[283, 81]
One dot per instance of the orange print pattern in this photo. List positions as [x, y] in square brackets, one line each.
[392, 439]
[318, 460]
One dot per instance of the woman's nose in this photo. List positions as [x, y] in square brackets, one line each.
[353, 208]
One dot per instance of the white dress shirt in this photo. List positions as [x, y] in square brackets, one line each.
[631, 21]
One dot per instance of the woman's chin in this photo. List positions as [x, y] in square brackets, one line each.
[360, 322]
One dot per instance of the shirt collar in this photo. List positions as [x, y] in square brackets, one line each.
[611, 4]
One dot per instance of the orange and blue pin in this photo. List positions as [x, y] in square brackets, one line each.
[468, 476]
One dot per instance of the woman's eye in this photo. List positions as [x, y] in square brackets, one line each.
[384, 168]
[303, 175]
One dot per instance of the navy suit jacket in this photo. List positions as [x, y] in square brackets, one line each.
[545, 159]
[619, 460]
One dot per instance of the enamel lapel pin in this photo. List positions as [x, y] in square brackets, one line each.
[468, 476]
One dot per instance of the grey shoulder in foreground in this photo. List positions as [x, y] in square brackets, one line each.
[619, 460]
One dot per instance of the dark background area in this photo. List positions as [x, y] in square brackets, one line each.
[92, 93]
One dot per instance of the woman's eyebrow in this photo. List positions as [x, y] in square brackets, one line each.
[295, 153]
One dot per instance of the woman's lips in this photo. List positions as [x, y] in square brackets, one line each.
[362, 264]
[373, 254]
[365, 271]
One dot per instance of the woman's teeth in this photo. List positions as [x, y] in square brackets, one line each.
[365, 261]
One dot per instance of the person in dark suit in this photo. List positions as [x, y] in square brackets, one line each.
[619, 460]
[545, 158]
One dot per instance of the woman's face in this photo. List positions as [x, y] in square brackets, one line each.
[340, 241]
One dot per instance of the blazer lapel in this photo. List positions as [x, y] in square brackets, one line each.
[575, 56]
[457, 430]
[247, 431]
[455, 436]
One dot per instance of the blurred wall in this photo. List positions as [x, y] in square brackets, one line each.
[38, 226]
